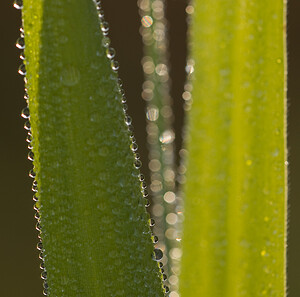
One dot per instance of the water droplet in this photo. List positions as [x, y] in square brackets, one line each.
[100, 13]
[115, 66]
[18, 4]
[39, 246]
[176, 253]
[147, 204]
[167, 290]
[123, 99]
[20, 43]
[145, 193]
[30, 156]
[147, 21]
[130, 129]
[128, 120]
[44, 275]
[169, 197]
[35, 207]
[27, 125]
[137, 156]
[160, 264]
[152, 113]
[157, 255]
[167, 137]
[22, 56]
[35, 198]
[134, 147]
[25, 113]
[189, 9]
[154, 165]
[141, 177]
[151, 222]
[143, 185]
[110, 53]
[104, 28]
[22, 69]
[38, 228]
[32, 173]
[34, 188]
[171, 218]
[37, 215]
[41, 256]
[155, 239]
[137, 164]
[45, 292]
[164, 277]
[106, 41]
[161, 69]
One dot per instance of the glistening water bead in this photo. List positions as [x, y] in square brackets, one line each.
[147, 21]
[104, 28]
[20, 43]
[31, 156]
[25, 113]
[32, 174]
[151, 222]
[128, 120]
[22, 56]
[22, 69]
[27, 125]
[110, 53]
[115, 65]
[44, 275]
[137, 164]
[18, 4]
[157, 255]
[106, 41]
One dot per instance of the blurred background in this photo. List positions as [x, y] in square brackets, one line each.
[19, 268]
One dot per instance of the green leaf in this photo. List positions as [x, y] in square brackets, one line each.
[94, 227]
[235, 209]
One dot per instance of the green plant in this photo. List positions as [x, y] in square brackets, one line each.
[94, 227]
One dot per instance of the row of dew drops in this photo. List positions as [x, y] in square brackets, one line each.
[160, 142]
[160, 136]
[110, 53]
[20, 44]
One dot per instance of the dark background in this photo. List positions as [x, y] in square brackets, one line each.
[19, 264]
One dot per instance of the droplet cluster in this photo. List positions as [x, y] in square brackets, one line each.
[111, 54]
[160, 138]
[25, 114]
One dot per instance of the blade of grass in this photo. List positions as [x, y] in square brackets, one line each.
[94, 228]
[235, 210]
[160, 134]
